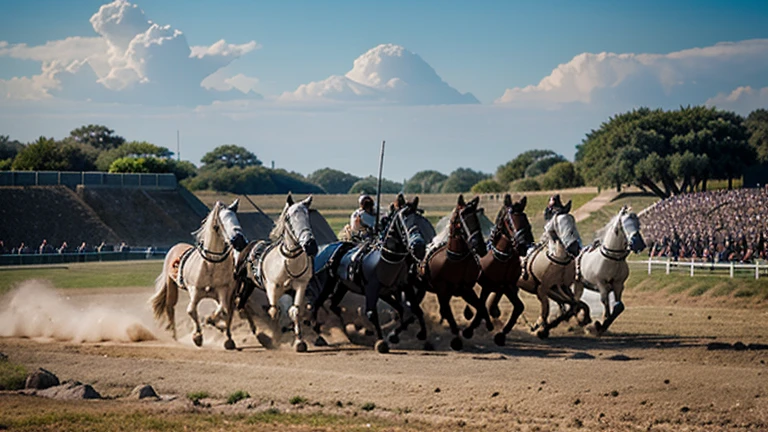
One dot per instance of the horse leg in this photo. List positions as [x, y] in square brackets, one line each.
[518, 307]
[618, 308]
[328, 287]
[172, 297]
[227, 301]
[274, 314]
[418, 312]
[394, 336]
[372, 312]
[194, 299]
[542, 327]
[294, 312]
[469, 296]
[492, 305]
[447, 314]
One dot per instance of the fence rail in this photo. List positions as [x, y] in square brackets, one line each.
[692, 268]
[88, 178]
[64, 258]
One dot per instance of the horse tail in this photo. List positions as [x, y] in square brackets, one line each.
[164, 299]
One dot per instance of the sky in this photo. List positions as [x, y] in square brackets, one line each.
[313, 84]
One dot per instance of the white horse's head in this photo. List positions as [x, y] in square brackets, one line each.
[562, 228]
[295, 225]
[221, 229]
[624, 232]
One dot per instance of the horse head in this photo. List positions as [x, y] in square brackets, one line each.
[296, 223]
[563, 226]
[466, 223]
[405, 222]
[221, 229]
[631, 225]
[518, 224]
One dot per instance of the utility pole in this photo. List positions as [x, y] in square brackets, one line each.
[178, 146]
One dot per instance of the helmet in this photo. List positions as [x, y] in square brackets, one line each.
[364, 199]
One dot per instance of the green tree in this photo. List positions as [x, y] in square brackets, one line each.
[488, 186]
[332, 180]
[97, 136]
[8, 150]
[131, 149]
[562, 175]
[46, 154]
[525, 185]
[462, 180]
[368, 184]
[515, 169]
[757, 126]
[543, 164]
[250, 180]
[229, 156]
[131, 164]
[429, 181]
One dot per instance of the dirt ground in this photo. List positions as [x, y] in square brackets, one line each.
[654, 371]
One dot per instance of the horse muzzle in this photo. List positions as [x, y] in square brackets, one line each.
[636, 243]
[238, 242]
[574, 248]
[478, 246]
[309, 244]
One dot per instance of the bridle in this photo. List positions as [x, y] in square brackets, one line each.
[504, 222]
[211, 256]
[297, 250]
[460, 225]
[405, 233]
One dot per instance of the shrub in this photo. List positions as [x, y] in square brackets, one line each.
[237, 397]
[297, 400]
[525, 185]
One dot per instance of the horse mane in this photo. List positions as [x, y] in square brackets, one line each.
[444, 233]
[277, 231]
[198, 233]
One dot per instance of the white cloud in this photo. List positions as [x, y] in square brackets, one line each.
[742, 100]
[386, 73]
[132, 60]
[687, 76]
[220, 81]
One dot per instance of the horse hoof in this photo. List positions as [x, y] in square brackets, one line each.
[382, 347]
[467, 333]
[489, 326]
[599, 328]
[300, 346]
[468, 313]
[198, 339]
[321, 342]
[428, 346]
[500, 339]
[421, 335]
[457, 344]
[264, 340]
[495, 312]
[368, 332]
[393, 338]
[542, 333]
[229, 344]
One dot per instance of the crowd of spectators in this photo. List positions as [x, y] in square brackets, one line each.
[718, 226]
[47, 248]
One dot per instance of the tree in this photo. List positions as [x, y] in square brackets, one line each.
[8, 150]
[462, 180]
[666, 152]
[46, 154]
[429, 181]
[131, 149]
[525, 185]
[757, 126]
[333, 181]
[97, 136]
[250, 180]
[139, 165]
[562, 175]
[515, 169]
[543, 164]
[229, 156]
[488, 186]
[368, 186]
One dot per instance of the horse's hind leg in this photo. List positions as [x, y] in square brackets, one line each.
[172, 297]
[194, 299]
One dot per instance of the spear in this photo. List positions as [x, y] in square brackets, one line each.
[378, 186]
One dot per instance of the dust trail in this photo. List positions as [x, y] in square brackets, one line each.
[36, 310]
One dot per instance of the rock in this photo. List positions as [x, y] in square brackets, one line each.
[143, 392]
[70, 390]
[41, 379]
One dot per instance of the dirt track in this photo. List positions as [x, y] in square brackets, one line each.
[653, 372]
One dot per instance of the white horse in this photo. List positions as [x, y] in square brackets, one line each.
[285, 263]
[205, 270]
[549, 271]
[603, 267]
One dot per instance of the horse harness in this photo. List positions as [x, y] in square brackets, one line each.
[604, 251]
[204, 254]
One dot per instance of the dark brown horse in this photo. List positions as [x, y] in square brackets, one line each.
[500, 270]
[451, 267]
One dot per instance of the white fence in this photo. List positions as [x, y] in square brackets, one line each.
[692, 268]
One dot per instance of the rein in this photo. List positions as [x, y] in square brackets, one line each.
[205, 252]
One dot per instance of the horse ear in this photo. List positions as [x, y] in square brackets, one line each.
[567, 207]
[507, 200]
[289, 200]
[524, 202]
[415, 203]
[234, 205]
[475, 201]
[400, 200]
[461, 202]
[392, 208]
[307, 202]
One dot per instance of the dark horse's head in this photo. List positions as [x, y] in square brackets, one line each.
[403, 231]
[466, 224]
[513, 223]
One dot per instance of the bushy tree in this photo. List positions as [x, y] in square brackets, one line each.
[332, 180]
[515, 169]
[488, 186]
[462, 180]
[562, 175]
[46, 154]
[131, 149]
[428, 181]
[368, 185]
[229, 156]
[97, 136]
[524, 185]
[250, 180]
[9, 148]
[140, 165]
[757, 126]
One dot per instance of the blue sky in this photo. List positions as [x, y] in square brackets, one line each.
[483, 48]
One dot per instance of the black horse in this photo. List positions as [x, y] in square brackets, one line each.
[383, 272]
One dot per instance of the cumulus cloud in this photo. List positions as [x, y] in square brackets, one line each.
[742, 100]
[132, 60]
[222, 81]
[687, 76]
[386, 73]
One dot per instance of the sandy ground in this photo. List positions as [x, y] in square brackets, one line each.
[653, 371]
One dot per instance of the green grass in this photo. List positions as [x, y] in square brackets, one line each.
[297, 400]
[86, 275]
[600, 218]
[237, 397]
[368, 406]
[679, 283]
[197, 396]
[12, 376]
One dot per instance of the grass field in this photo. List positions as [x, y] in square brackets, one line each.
[86, 275]
[600, 218]
[337, 208]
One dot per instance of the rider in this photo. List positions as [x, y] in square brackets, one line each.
[363, 226]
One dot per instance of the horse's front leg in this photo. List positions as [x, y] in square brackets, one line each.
[394, 336]
[447, 314]
[542, 325]
[372, 312]
[618, 308]
[518, 307]
[294, 312]
[416, 309]
[481, 313]
[195, 296]
[271, 289]
[226, 304]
